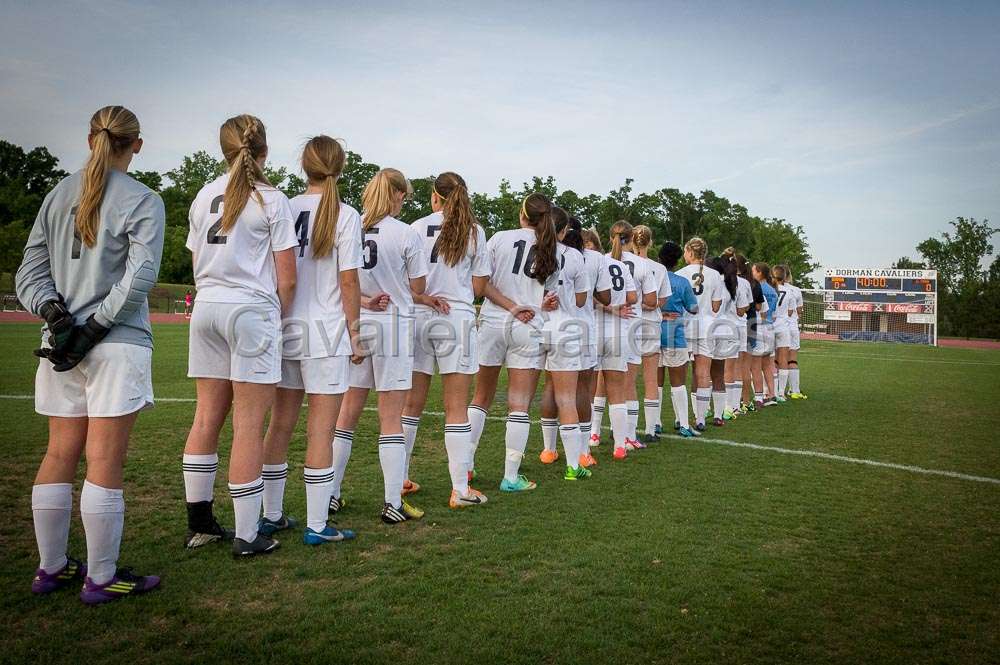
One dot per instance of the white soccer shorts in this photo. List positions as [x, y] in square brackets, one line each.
[516, 345]
[317, 376]
[449, 341]
[235, 341]
[388, 341]
[114, 379]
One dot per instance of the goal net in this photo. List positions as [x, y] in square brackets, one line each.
[861, 316]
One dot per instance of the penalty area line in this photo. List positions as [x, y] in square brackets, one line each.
[719, 442]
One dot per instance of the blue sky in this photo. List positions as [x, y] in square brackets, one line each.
[870, 126]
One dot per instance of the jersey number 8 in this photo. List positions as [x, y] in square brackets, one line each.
[617, 280]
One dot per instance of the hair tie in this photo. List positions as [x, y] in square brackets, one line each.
[624, 238]
[524, 209]
[439, 194]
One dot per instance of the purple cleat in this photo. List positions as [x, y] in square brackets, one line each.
[44, 582]
[124, 583]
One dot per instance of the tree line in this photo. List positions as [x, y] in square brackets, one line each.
[27, 175]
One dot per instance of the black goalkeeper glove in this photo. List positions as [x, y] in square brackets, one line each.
[84, 338]
[59, 322]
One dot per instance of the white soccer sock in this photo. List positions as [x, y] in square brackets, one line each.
[319, 484]
[274, 476]
[585, 438]
[679, 398]
[199, 476]
[550, 426]
[456, 443]
[651, 413]
[701, 401]
[736, 396]
[793, 380]
[632, 407]
[515, 440]
[52, 507]
[570, 435]
[730, 387]
[718, 403]
[410, 425]
[619, 423]
[782, 382]
[477, 421]
[247, 500]
[392, 457]
[659, 400]
[342, 441]
[597, 415]
[103, 513]
[758, 397]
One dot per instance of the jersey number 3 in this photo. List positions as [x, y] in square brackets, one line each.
[698, 281]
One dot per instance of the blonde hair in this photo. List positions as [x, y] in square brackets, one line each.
[593, 237]
[698, 249]
[323, 162]
[377, 197]
[458, 226]
[113, 130]
[642, 236]
[244, 141]
[621, 235]
[779, 273]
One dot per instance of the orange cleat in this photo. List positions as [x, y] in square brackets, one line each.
[587, 460]
[410, 487]
[549, 456]
[620, 453]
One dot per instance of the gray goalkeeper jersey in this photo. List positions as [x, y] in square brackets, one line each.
[109, 280]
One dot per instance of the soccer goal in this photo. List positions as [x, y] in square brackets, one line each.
[873, 305]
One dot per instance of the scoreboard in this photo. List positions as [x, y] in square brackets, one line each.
[881, 280]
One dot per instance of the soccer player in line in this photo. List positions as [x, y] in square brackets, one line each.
[673, 344]
[753, 317]
[563, 337]
[320, 341]
[648, 335]
[782, 330]
[446, 334]
[243, 244]
[600, 290]
[741, 397]
[762, 359]
[524, 275]
[91, 258]
[612, 347]
[734, 311]
[795, 304]
[646, 290]
[706, 332]
[393, 272]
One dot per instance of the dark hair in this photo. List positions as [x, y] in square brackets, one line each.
[539, 212]
[765, 271]
[670, 254]
[727, 268]
[458, 226]
[574, 235]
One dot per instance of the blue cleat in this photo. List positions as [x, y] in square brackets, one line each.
[327, 535]
[686, 433]
[271, 527]
[659, 428]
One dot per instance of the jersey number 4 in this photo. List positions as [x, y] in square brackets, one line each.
[302, 231]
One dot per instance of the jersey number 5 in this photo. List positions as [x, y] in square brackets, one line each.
[213, 231]
[369, 251]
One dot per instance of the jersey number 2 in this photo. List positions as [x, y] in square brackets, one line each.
[213, 231]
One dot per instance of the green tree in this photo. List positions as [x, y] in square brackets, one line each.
[906, 263]
[150, 179]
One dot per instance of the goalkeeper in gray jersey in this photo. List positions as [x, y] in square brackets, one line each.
[91, 258]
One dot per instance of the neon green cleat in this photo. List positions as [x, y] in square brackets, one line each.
[522, 484]
[798, 396]
[728, 414]
[578, 473]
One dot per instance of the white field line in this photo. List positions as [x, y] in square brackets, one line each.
[702, 439]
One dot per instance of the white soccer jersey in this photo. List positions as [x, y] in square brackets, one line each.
[573, 279]
[662, 289]
[642, 274]
[744, 298]
[391, 255]
[511, 257]
[238, 266]
[620, 277]
[453, 283]
[708, 286]
[795, 301]
[785, 297]
[600, 280]
[315, 327]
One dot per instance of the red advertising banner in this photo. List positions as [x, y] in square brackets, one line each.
[855, 306]
[906, 308]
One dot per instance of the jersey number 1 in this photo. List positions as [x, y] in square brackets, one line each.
[529, 261]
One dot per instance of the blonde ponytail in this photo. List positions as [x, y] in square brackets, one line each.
[377, 197]
[113, 130]
[323, 161]
[244, 141]
[621, 235]
[642, 237]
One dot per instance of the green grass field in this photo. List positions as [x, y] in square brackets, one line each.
[689, 551]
